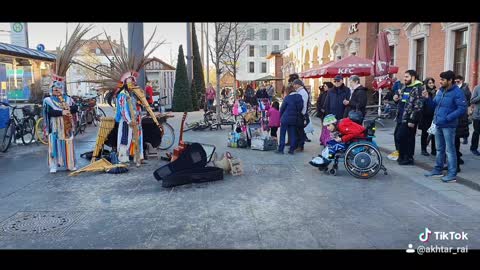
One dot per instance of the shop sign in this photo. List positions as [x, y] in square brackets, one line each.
[11, 72]
[353, 28]
[4, 86]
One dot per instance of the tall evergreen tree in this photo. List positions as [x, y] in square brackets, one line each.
[197, 74]
[182, 99]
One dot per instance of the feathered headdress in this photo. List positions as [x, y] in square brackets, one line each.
[124, 66]
[65, 54]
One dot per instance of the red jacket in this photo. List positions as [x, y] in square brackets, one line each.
[350, 130]
[149, 92]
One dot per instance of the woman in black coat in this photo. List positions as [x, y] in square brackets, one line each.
[427, 117]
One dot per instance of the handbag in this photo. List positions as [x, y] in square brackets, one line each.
[433, 128]
[309, 128]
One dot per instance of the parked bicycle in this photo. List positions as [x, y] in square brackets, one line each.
[18, 128]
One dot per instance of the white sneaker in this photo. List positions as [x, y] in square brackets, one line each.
[53, 170]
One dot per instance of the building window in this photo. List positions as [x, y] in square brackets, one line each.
[460, 55]
[287, 34]
[264, 67]
[419, 58]
[276, 47]
[276, 34]
[392, 55]
[263, 50]
[251, 67]
[263, 34]
[251, 34]
[251, 51]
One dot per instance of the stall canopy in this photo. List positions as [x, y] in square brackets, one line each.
[13, 50]
[348, 66]
[268, 78]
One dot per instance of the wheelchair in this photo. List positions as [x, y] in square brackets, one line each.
[362, 158]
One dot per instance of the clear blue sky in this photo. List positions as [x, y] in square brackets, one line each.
[51, 34]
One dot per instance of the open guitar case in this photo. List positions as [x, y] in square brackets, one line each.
[190, 167]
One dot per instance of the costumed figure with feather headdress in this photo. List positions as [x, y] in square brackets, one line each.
[120, 85]
[59, 107]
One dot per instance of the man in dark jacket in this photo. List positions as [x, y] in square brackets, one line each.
[462, 129]
[321, 100]
[450, 105]
[410, 104]
[358, 99]
[335, 97]
[475, 101]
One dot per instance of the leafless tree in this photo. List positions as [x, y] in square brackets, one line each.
[235, 47]
[217, 51]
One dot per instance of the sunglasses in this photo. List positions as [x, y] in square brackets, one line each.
[336, 81]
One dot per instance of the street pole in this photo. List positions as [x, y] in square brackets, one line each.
[189, 53]
[135, 45]
[207, 62]
[203, 55]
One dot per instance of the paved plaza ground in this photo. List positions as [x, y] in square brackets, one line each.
[281, 202]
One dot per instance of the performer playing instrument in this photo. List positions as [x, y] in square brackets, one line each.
[59, 107]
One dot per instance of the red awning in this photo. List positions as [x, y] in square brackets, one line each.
[348, 66]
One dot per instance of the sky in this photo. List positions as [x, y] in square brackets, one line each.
[51, 34]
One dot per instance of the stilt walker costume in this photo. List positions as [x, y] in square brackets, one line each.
[59, 107]
[120, 84]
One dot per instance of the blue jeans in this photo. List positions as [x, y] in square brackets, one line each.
[209, 104]
[445, 140]
[292, 137]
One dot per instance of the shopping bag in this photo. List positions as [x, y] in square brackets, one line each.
[309, 128]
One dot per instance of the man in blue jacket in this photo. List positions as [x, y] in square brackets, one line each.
[450, 104]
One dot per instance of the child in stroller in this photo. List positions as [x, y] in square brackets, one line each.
[347, 130]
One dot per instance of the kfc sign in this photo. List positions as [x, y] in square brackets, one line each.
[353, 28]
[345, 70]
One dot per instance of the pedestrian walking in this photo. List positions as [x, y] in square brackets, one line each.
[460, 81]
[427, 117]
[300, 88]
[274, 119]
[270, 91]
[210, 96]
[358, 98]
[450, 104]
[291, 119]
[335, 98]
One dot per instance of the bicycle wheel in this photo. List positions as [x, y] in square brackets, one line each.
[41, 132]
[6, 137]
[99, 113]
[28, 130]
[82, 125]
[168, 138]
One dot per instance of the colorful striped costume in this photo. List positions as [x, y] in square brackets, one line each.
[125, 147]
[61, 153]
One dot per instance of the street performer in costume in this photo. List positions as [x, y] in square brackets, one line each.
[120, 85]
[59, 107]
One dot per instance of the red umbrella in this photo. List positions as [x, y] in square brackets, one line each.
[381, 62]
[348, 66]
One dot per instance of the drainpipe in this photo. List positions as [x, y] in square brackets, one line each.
[477, 54]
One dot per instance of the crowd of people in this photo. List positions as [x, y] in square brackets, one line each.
[441, 114]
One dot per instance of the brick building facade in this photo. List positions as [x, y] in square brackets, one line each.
[428, 48]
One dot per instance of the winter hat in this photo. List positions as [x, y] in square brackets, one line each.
[329, 119]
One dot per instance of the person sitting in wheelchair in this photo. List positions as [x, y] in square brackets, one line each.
[346, 131]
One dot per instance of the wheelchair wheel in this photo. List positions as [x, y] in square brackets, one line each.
[363, 160]
[333, 172]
